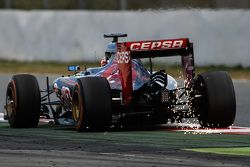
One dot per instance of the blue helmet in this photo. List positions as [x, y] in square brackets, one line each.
[111, 48]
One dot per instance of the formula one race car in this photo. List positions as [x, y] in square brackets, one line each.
[123, 91]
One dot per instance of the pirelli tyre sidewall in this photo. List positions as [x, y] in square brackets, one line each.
[91, 103]
[214, 99]
[23, 101]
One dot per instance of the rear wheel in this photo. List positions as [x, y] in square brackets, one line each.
[23, 101]
[92, 103]
[214, 99]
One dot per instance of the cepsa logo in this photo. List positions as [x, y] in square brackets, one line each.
[123, 57]
[156, 45]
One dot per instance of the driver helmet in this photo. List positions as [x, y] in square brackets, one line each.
[111, 49]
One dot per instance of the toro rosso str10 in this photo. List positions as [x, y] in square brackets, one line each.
[123, 91]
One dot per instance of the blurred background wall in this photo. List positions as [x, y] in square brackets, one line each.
[73, 29]
[123, 4]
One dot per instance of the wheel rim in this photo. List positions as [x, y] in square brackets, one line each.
[200, 101]
[10, 102]
[76, 108]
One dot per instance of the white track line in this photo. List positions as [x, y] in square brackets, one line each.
[235, 130]
[187, 128]
[196, 129]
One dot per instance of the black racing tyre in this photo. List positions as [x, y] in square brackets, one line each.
[23, 101]
[91, 103]
[214, 99]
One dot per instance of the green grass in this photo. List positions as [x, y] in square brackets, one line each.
[241, 151]
[226, 144]
[159, 138]
[42, 67]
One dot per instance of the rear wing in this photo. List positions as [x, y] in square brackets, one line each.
[159, 48]
[148, 49]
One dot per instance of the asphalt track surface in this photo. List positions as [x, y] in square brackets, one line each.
[49, 145]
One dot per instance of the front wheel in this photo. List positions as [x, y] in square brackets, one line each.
[23, 102]
[214, 100]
